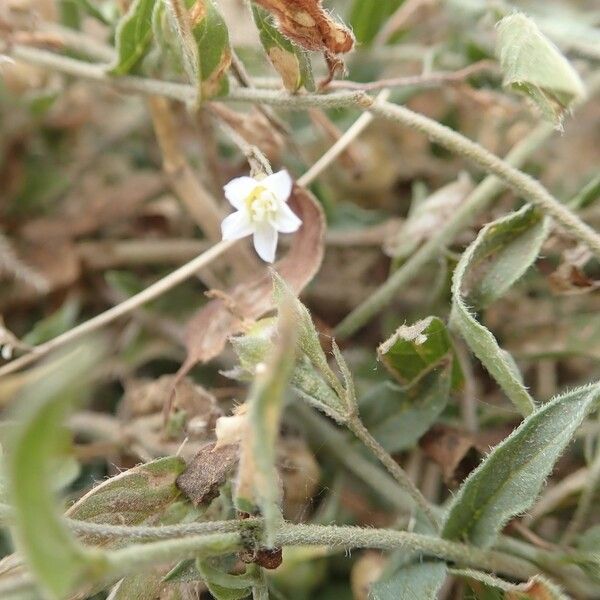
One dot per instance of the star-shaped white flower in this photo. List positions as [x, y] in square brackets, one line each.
[262, 211]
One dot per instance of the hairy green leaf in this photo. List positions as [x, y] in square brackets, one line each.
[534, 66]
[139, 495]
[499, 256]
[204, 42]
[57, 560]
[223, 585]
[289, 60]
[420, 581]
[133, 36]
[366, 18]
[398, 416]
[413, 350]
[508, 481]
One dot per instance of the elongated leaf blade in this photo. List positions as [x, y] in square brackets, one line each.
[499, 256]
[534, 66]
[509, 480]
[136, 496]
[57, 560]
[133, 36]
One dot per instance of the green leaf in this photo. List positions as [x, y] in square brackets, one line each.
[57, 560]
[257, 474]
[508, 481]
[136, 496]
[58, 322]
[368, 16]
[212, 37]
[420, 581]
[223, 585]
[289, 60]
[502, 252]
[534, 66]
[204, 43]
[398, 416]
[414, 350]
[133, 36]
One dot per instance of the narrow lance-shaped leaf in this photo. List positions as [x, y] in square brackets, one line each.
[289, 60]
[509, 480]
[533, 65]
[57, 560]
[133, 36]
[499, 256]
[138, 495]
[257, 476]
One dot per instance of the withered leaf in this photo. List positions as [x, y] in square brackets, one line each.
[207, 471]
[138, 495]
[306, 23]
[453, 450]
[207, 332]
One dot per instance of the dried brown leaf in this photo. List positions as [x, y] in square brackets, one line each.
[306, 23]
[207, 471]
[453, 450]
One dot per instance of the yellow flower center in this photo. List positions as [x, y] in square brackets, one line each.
[261, 204]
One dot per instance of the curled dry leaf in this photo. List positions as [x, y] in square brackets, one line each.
[306, 23]
[207, 332]
[569, 278]
[453, 450]
[207, 471]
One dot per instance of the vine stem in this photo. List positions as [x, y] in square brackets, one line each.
[150, 293]
[141, 556]
[356, 426]
[522, 183]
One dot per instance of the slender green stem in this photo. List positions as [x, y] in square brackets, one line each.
[387, 539]
[138, 557]
[525, 185]
[396, 471]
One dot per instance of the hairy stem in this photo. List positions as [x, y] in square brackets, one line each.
[396, 471]
[386, 539]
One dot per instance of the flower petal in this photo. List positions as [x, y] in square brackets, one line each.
[286, 220]
[279, 184]
[238, 189]
[265, 241]
[237, 225]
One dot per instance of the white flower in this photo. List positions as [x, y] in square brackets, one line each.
[262, 210]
